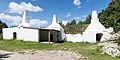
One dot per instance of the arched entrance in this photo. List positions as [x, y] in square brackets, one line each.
[14, 35]
[98, 36]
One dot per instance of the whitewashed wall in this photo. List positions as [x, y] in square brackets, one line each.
[33, 35]
[28, 34]
[8, 33]
[22, 33]
[89, 36]
[74, 38]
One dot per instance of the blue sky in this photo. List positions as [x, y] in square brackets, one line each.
[41, 11]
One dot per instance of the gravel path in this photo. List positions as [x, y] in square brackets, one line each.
[40, 55]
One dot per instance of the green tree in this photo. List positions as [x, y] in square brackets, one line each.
[68, 23]
[2, 25]
[88, 19]
[73, 22]
[110, 17]
[80, 22]
[61, 24]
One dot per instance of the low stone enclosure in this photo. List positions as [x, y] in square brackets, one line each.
[110, 46]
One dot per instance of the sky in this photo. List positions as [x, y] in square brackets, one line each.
[40, 12]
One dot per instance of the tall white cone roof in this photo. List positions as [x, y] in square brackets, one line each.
[56, 26]
[95, 25]
[54, 19]
[25, 21]
[25, 18]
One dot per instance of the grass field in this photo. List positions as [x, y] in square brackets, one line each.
[89, 50]
[118, 32]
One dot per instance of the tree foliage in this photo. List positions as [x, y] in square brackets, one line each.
[110, 17]
[88, 19]
[73, 22]
[74, 28]
[80, 22]
[2, 25]
[61, 24]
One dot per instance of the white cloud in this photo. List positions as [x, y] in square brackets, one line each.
[84, 16]
[77, 18]
[19, 8]
[15, 19]
[37, 22]
[77, 3]
[64, 22]
[68, 15]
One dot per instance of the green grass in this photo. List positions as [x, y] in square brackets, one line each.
[12, 45]
[89, 50]
[118, 32]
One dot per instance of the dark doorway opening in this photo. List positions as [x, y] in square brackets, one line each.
[14, 35]
[51, 37]
[98, 36]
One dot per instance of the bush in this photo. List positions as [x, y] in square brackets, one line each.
[1, 37]
[118, 41]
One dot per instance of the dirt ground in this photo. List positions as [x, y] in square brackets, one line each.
[40, 55]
